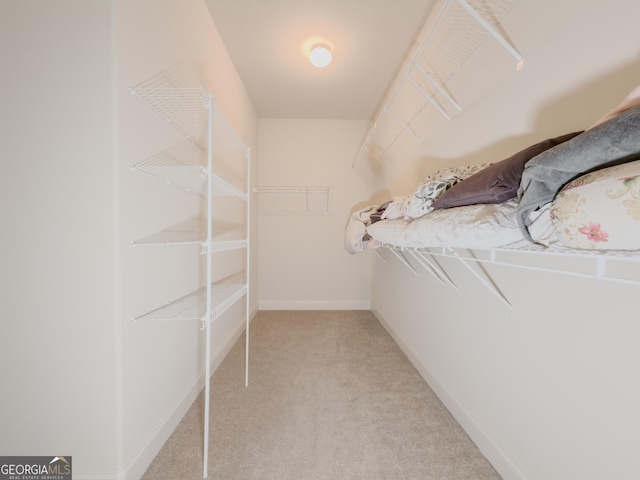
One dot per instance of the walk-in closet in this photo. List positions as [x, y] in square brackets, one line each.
[331, 239]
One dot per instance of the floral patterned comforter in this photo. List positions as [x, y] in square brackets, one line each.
[600, 210]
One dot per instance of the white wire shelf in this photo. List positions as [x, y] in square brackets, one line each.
[593, 264]
[187, 110]
[168, 169]
[294, 199]
[193, 306]
[292, 189]
[452, 34]
[184, 108]
[194, 232]
[458, 30]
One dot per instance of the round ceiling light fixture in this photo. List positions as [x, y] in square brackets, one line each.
[320, 55]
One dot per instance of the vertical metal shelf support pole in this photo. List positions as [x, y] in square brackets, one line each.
[208, 315]
[248, 276]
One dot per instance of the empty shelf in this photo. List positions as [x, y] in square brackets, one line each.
[194, 232]
[187, 110]
[184, 108]
[189, 178]
[193, 306]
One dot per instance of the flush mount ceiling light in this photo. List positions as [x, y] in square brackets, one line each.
[320, 55]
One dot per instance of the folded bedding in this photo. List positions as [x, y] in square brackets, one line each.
[580, 190]
[355, 238]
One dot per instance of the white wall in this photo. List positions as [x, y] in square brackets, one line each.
[550, 390]
[78, 376]
[303, 263]
[58, 338]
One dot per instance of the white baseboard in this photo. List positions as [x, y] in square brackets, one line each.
[313, 305]
[490, 448]
[89, 475]
[139, 466]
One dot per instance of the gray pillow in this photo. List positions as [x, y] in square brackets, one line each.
[610, 143]
[498, 182]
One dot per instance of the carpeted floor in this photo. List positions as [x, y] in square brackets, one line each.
[330, 397]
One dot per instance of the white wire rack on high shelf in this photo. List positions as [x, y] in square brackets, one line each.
[451, 35]
[292, 200]
[190, 167]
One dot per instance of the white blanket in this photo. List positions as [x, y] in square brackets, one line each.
[474, 226]
[356, 231]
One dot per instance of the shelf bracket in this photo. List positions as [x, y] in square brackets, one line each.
[404, 260]
[428, 267]
[481, 274]
[434, 267]
[493, 32]
[601, 267]
[404, 125]
[438, 87]
[380, 256]
[429, 98]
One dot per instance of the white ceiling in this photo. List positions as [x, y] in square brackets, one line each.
[267, 39]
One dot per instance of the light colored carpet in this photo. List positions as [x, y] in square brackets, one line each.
[330, 397]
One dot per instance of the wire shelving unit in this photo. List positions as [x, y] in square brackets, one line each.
[192, 112]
